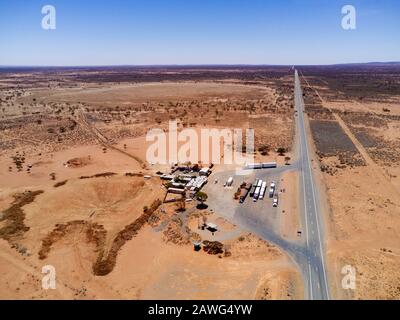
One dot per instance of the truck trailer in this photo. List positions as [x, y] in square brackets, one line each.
[253, 188]
[262, 191]
[256, 194]
[244, 192]
[229, 182]
[264, 165]
[271, 192]
[272, 189]
[267, 165]
[254, 166]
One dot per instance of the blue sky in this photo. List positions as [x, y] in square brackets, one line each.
[198, 32]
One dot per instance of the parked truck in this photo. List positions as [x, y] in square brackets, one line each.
[253, 188]
[245, 191]
[256, 194]
[262, 191]
[272, 189]
[266, 165]
[271, 192]
[254, 166]
[229, 182]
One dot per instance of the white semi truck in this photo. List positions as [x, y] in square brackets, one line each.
[229, 182]
[256, 194]
[272, 189]
[264, 165]
[262, 191]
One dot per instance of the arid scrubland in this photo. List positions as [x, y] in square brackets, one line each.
[76, 191]
[354, 117]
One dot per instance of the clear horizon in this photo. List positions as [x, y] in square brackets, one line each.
[197, 65]
[196, 33]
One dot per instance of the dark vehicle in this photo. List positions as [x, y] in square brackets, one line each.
[245, 191]
[253, 188]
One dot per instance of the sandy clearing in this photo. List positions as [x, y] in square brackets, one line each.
[289, 209]
[188, 274]
[44, 164]
[157, 92]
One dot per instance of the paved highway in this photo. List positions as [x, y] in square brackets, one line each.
[261, 219]
[311, 213]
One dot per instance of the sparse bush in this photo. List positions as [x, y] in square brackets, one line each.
[281, 151]
[264, 150]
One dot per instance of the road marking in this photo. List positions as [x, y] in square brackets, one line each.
[318, 231]
[310, 282]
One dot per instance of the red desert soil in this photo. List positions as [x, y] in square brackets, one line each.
[84, 147]
[364, 196]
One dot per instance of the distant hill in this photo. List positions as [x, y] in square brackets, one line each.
[391, 63]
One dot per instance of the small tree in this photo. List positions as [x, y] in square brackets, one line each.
[287, 159]
[264, 150]
[201, 196]
[281, 151]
